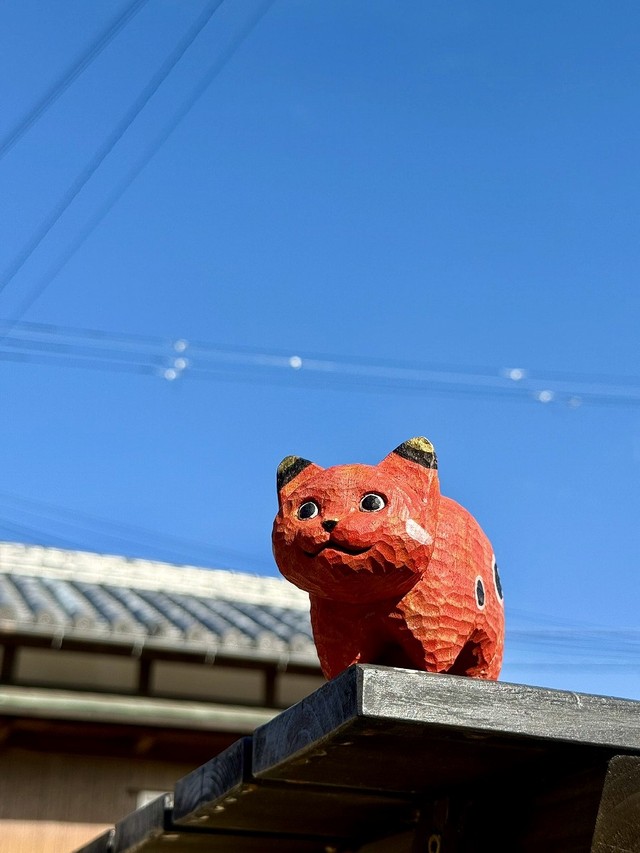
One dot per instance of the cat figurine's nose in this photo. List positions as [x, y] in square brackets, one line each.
[329, 524]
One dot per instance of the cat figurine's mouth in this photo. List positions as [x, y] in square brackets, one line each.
[333, 546]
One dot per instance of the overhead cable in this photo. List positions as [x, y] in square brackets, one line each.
[145, 158]
[84, 525]
[69, 76]
[33, 535]
[177, 359]
[109, 144]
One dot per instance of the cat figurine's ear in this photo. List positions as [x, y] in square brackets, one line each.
[418, 450]
[416, 458]
[292, 472]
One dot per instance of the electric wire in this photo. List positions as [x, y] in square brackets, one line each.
[133, 536]
[29, 331]
[206, 361]
[32, 535]
[21, 358]
[150, 152]
[109, 144]
[69, 76]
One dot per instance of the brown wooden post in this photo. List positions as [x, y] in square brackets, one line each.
[144, 676]
[8, 664]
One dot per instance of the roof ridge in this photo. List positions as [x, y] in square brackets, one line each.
[134, 573]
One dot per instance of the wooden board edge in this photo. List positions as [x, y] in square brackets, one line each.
[206, 786]
[498, 707]
[307, 723]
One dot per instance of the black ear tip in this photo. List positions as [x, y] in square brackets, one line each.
[419, 450]
[289, 468]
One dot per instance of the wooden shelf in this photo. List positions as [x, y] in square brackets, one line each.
[384, 760]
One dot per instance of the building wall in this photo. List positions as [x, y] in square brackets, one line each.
[118, 674]
[53, 803]
[45, 836]
[79, 670]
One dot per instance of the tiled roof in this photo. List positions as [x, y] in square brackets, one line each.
[97, 596]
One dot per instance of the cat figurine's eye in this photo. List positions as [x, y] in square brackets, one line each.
[309, 509]
[372, 502]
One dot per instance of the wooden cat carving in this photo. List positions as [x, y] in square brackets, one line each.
[397, 574]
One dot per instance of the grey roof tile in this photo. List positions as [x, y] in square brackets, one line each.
[118, 618]
[77, 608]
[98, 594]
[43, 608]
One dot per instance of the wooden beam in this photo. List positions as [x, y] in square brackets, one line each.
[223, 794]
[270, 686]
[202, 792]
[62, 704]
[151, 829]
[383, 760]
[145, 669]
[168, 650]
[618, 822]
[7, 668]
[449, 730]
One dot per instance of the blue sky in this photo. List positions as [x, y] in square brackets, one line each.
[411, 198]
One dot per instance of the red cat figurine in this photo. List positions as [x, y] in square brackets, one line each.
[396, 574]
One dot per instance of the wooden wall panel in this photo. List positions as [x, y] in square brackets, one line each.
[215, 683]
[292, 688]
[77, 789]
[76, 669]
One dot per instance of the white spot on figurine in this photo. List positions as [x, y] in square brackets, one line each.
[418, 533]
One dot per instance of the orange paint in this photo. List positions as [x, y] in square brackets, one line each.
[396, 573]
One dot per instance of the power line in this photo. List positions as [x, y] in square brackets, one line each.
[69, 76]
[134, 537]
[175, 359]
[33, 535]
[112, 140]
[54, 329]
[116, 194]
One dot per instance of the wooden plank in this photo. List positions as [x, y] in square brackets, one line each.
[399, 730]
[382, 759]
[144, 825]
[316, 718]
[151, 829]
[224, 794]
[210, 787]
[618, 824]
[499, 707]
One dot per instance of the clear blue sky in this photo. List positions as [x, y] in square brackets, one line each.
[448, 187]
